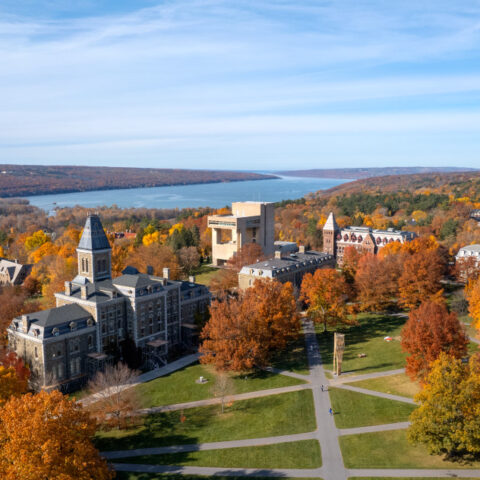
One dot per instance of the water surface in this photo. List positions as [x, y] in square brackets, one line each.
[183, 196]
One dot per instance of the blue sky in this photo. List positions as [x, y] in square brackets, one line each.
[254, 84]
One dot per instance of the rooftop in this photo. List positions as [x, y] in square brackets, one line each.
[59, 315]
[93, 236]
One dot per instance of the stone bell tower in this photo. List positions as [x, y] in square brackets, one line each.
[330, 231]
[94, 252]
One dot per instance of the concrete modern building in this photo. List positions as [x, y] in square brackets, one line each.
[250, 222]
[290, 267]
[364, 239]
[12, 272]
[96, 315]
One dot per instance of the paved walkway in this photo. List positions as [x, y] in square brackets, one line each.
[347, 378]
[147, 377]
[373, 393]
[327, 433]
[299, 376]
[215, 401]
[250, 442]
[384, 427]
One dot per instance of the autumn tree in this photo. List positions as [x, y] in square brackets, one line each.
[375, 282]
[472, 293]
[48, 436]
[11, 385]
[421, 276]
[351, 259]
[248, 254]
[112, 399]
[448, 419]
[189, 259]
[430, 330]
[244, 332]
[156, 256]
[325, 294]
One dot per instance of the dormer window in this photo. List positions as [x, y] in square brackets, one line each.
[55, 332]
[89, 322]
[73, 326]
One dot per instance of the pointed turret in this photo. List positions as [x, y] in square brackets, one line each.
[330, 230]
[331, 223]
[94, 253]
[93, 236]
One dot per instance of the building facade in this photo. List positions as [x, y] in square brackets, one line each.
[96, 314]
[12, 272]
[250, 222]
[363, 239]
[289, 267]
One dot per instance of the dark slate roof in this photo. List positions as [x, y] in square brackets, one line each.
[59, 315]
[134, 281]
[93, 236]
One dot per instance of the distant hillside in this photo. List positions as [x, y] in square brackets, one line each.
[26, 180]
[357, 173]
[460, 184]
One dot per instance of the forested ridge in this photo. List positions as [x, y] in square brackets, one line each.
[26, 180]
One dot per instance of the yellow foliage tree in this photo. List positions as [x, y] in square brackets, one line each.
[48, 436]
[36, 240]
[150, 238]
[177, 227]
[448, 418]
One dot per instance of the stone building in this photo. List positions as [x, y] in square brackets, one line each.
[12, 272]
[363, 239]
[95, 314]
[289, 267]
[250, 222]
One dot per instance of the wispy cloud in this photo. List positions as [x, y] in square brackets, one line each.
[153, 82]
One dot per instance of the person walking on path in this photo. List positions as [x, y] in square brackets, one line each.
[322, 387]
[330, 411]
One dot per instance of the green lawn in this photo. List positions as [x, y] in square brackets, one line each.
[405, 478]
[399, 384]
[303, 454]
[390, 450]
[180, 386]
[354, 409]
[367, 338]
[258, 417]
[180, 476]
[204, 274]
[294, 358]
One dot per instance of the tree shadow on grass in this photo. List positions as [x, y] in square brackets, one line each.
[368, 328]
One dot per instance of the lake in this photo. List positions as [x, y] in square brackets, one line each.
[183, 196]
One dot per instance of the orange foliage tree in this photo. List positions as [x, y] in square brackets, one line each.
[244, 332]
[421, 276]
[156, 256]
[325, 293]
[351, 259]
[11, 385]
[48, 436]
[472, 292]
[376, 281]
[430, 330]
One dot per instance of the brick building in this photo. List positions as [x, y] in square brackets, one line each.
[364, 239]
[95, 314]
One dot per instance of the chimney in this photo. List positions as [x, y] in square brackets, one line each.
[191, 278]
[83, 292]
[149, 270]
[301, 249]
[68, 288]
[166, 273]
[278, 254]
[26, 323]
